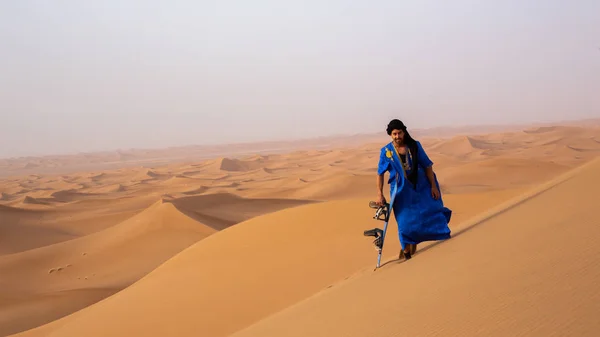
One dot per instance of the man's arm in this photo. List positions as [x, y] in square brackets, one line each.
[430, 175]
[426, 163]
[435, 192]
[380, 184]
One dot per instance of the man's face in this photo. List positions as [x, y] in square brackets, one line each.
[398, 136]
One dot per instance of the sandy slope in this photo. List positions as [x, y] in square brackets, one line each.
[110, 259]
[19, 230]
[242, 274]
[73, 274]
[242, 222]
[23, 227]
[529, 270]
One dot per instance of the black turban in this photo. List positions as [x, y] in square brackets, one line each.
[395, 124]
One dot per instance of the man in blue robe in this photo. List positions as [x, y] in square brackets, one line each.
[415, 193]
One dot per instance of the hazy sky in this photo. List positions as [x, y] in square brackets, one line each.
[94, 75]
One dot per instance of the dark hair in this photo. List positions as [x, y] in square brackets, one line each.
[396, 124]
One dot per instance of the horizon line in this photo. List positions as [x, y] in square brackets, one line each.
[562, 122]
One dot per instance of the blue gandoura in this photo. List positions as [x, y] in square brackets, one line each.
[414, 190]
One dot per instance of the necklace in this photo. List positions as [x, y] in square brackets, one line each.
[406, 155]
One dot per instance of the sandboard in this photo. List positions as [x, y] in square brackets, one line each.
[382, 213]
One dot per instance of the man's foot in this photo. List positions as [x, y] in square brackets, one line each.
[404, 254]
[413, 248]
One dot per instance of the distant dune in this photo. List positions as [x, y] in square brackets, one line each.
[19, 230]
[259, 242]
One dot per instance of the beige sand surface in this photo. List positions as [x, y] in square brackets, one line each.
[211, 247]
[531, 268]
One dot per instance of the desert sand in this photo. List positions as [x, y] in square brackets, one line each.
[267, 241]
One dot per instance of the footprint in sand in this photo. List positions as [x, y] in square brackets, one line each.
[55, 270]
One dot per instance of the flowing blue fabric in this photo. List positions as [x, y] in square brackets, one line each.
[419, 216]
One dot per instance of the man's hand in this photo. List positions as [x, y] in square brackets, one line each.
[435, 193]
[381, 200]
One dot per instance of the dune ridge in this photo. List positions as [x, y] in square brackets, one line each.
[248, 246]
[115, 257]
[545, 291]
[154, 280]
[259, 225]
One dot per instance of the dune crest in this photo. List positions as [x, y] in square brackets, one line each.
[28, 200]
[110, 259]
[541, 293]
[335, 234]
[247, 280]
[235, 165]
[144, 247]
[6, 196]
[119, 255]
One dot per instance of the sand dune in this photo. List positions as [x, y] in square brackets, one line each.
[105, 189]
[226, 164]
[110, 259]
[117, 256]
[500, 171]
[463, 147]
[222, 210]
[235, 237]
[20, 230]
[337, 186]
[6, 197]
[35, 201]
[529, 270]
[256, 268]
